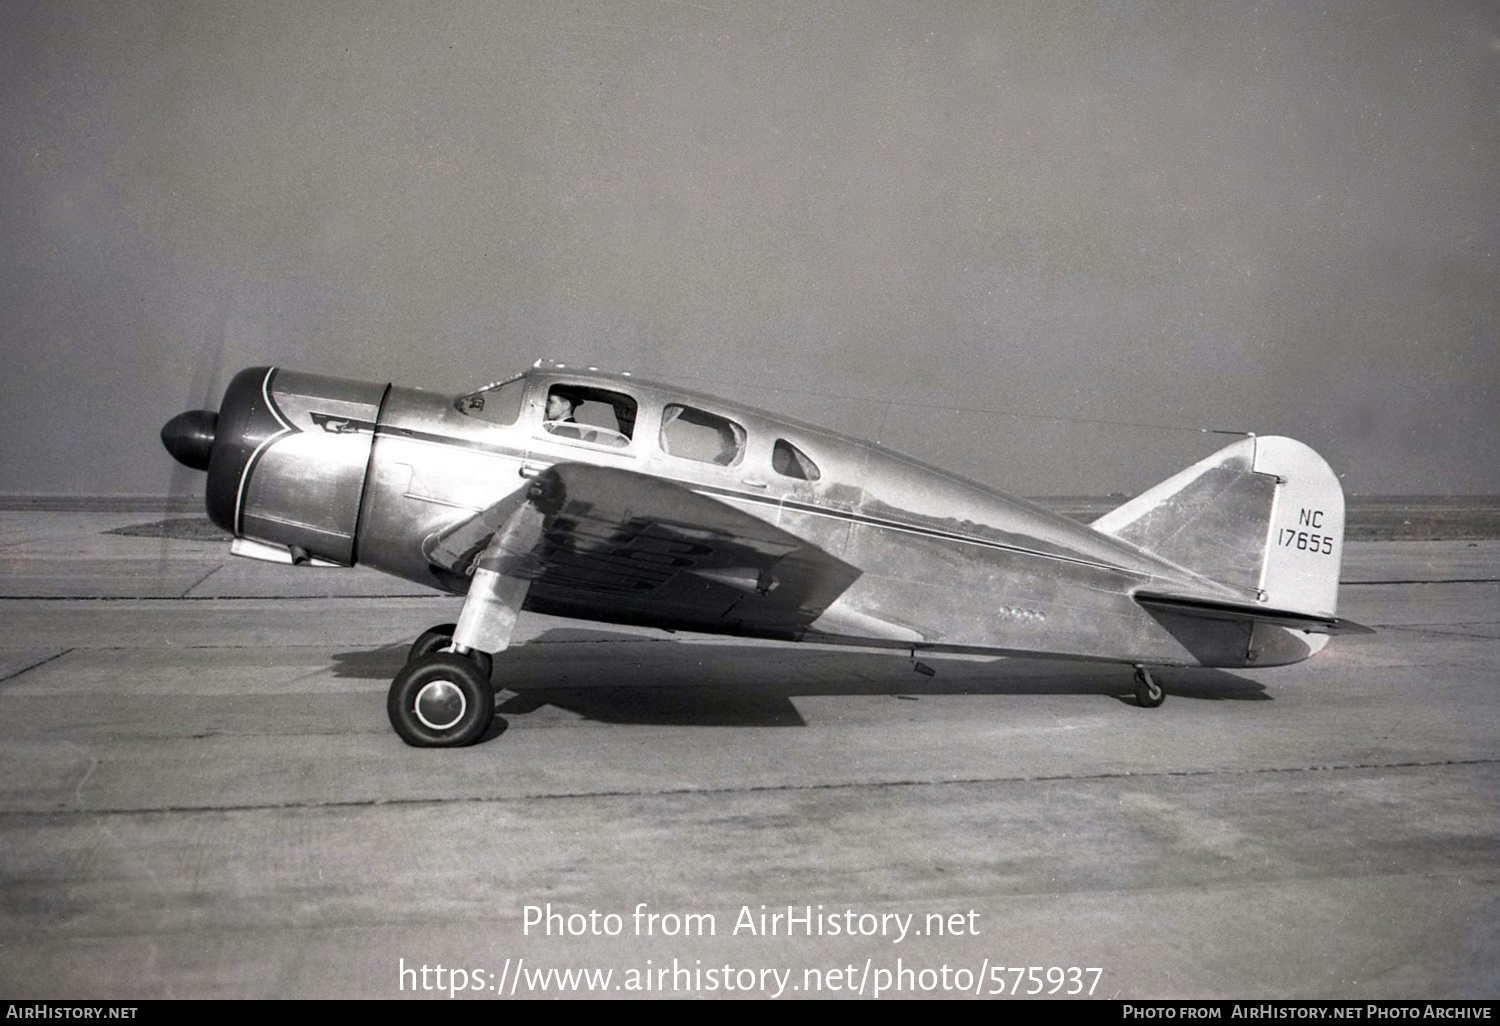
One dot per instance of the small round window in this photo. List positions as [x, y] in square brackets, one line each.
[790, 461]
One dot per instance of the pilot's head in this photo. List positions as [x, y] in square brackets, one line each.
[560, 406]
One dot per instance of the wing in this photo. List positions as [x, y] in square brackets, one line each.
[630, 548]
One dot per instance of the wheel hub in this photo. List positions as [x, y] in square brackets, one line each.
[440, 704]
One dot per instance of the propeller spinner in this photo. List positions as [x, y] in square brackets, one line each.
[189, 437]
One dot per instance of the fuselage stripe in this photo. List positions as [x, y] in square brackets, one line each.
[432, 438]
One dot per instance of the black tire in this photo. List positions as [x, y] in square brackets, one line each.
[437, 638]
[441, 701]
[1148, 693]
[434, 639]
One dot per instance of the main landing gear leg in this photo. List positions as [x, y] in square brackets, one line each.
[1147, 692]
[443, 696]
[440, 639]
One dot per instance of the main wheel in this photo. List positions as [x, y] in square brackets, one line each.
[440, 637]
[441, 700]
[1147, 692]
[434, 639]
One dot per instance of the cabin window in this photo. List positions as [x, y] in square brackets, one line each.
[694, 434]
[497, 404]
[597, 416]
[790, 461]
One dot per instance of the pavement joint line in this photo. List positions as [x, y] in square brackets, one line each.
[1442, 630]
[187, 591]
[757, 789]
[39, 662]
[1440, 580]
[217, 598]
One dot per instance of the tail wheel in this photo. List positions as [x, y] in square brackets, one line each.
[439, 638]
[1147, 692]
[441, 700]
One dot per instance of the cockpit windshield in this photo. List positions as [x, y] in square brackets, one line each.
[499, 403]
[573, 412]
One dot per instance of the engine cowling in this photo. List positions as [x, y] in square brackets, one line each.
[286, 457]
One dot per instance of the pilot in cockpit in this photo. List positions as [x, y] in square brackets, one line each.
[559, 420]
[560, 407]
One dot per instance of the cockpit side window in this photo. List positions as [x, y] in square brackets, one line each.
[694, 434]
[583, 413]
[790, 461]
[498, 404]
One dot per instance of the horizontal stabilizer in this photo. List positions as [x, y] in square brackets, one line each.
[1212, 610]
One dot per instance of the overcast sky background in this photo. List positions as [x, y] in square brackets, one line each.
[1278, 217]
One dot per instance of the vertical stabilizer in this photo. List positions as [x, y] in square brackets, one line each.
[1264, 516]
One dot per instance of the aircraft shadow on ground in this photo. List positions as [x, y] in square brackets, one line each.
[614, 677]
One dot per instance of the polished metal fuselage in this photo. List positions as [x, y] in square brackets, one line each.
[944, 563]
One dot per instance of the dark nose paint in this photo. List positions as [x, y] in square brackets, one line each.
[224, 443]
[246, 421]
[189, 437]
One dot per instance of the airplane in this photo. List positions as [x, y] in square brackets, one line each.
[604, 497]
